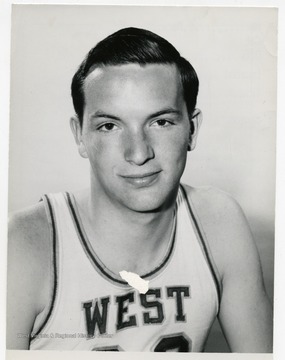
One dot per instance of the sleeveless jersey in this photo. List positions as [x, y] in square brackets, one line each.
[94, 309]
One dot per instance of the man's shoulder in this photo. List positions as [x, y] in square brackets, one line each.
[29, 230]
[208, 200]
[217, 211]
[29, 221]
[222, 223]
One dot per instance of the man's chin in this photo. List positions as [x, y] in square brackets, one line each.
[150, 203]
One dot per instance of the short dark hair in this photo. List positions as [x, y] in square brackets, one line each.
[133, 45]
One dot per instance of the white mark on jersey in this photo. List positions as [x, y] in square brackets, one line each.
[135, 281]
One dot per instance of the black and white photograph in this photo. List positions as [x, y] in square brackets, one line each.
[142, 178]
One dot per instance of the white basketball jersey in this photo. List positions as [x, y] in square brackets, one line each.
[95, 309]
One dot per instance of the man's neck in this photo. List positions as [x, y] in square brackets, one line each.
[139, 239]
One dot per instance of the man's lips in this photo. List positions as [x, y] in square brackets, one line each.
[141, 176]
[142, 180]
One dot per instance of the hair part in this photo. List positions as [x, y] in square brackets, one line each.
[139, 46]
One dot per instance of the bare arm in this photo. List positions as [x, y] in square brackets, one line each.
[28, 272]
[245, 311]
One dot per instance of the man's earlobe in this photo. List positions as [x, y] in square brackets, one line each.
[82, 151]
[77, 133]
[195, 123]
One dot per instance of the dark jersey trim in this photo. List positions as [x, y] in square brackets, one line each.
[95, 261]
[54, 242]
[203, 243]
[166, 258]
[86, 247]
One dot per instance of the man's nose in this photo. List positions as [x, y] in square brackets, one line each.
[138, 148]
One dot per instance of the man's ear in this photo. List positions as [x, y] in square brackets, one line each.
[195, 123]
[77, 133]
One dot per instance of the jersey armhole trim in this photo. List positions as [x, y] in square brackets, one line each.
[54, 265]
[204, 246]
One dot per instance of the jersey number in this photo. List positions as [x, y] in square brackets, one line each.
[177, 343]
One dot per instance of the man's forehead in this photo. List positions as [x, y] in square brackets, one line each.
[109, 74]
[133, 90]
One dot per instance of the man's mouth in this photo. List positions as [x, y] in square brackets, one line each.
[141, 180]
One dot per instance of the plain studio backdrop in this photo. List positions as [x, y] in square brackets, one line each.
[234, 51]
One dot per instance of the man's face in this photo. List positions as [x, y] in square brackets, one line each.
[135, 133]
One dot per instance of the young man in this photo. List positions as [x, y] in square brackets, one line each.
[136, 118]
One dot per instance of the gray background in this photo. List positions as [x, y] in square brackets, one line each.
[234, 53]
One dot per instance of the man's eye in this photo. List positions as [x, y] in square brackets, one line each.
[107, 127]
[163, 123]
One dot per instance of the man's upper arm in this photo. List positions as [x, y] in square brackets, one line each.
[27, 271]
[245, 312]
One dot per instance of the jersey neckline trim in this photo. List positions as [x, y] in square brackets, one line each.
[93, 257]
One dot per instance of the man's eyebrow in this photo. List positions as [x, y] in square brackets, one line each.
[167, 111]
[101, 114]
